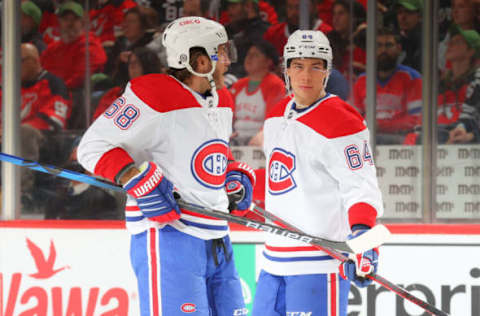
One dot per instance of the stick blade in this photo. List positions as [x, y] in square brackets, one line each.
[373, 238]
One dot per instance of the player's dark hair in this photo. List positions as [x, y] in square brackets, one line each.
[290, 61]
[386, 31]
[183, 74]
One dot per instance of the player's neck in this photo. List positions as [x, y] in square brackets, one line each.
[305, 102]
[198, 84]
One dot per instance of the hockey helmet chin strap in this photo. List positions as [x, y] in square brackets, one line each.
[213, 100]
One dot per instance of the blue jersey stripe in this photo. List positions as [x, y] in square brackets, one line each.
[134, 218]
[205, 226]
[311, 258]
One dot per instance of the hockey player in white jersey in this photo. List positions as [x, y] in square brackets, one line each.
[172, 131]
[320, 177]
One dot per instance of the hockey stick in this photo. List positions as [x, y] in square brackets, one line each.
[370, 240]
[59, 172]
[339, 256]
[374, 239]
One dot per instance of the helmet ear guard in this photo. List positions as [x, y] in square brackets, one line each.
[307, 44]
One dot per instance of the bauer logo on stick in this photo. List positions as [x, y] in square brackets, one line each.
[281, 166]
[209, 164]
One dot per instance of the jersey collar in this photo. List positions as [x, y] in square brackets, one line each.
[291, 113]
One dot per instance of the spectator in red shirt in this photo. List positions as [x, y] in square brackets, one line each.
[45, 108]
[399, 92]
[66, 58]
[256, 94]
[106, 19]
[278, 34]
[46, 103]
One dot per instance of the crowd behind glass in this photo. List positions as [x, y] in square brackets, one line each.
[124, 42]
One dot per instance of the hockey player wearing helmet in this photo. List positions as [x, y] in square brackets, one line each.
[320, 178]
[179, 126]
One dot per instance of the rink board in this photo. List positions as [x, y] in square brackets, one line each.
[91, 273]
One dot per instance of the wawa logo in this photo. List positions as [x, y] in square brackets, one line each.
[37, 297]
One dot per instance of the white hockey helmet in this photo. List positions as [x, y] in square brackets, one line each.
[307, 44]
[185, 33]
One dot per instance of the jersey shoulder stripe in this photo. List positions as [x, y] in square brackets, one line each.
[163, 93]
[334, 118]
[279, 109]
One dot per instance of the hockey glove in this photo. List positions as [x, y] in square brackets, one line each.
[239, 186]
[153, 193]
[359, 265]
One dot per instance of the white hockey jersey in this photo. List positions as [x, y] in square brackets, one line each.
[320, 178]
[160, 119]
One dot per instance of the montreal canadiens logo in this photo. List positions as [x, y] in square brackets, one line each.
[209, 164]
[188, 308]
[281, 166]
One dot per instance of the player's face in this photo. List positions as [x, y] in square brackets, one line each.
[306, 78]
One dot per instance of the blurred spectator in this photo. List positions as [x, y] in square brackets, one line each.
[141, 61]
[49, 27]
[278, 34]
[66, 57]
[137, 32]
[30, 20]
[459, 92]
[256, 94]
[266, 10]
[324, 9]
[106, 19]
[45, 107]
[348, 37]
[46, 103]
[245, 26]
[399, 92]
[167, 10]
[409, 19]
[78, 200]
[463, 15]
[196, 8]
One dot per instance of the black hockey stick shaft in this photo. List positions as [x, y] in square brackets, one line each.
[398, 290]
[81, 177]
[269, 228]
